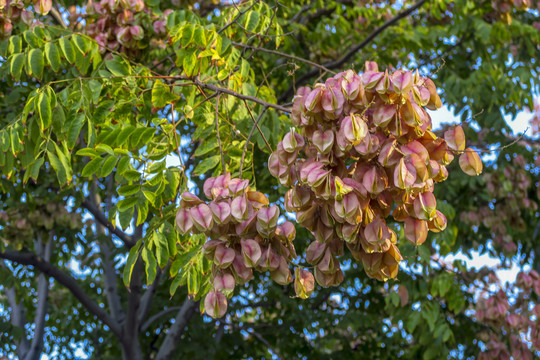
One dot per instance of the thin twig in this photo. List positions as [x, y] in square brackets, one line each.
[240, 13]
[223, 165]
[342, 60]
[176, 139]
[256, 124]
[282, 54]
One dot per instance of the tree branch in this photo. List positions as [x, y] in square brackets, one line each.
[41, 309]
[160, 314]
[146, 299]
[48, 269]
[130, 338]
[107, 258]
[285, 55]
[18, 319]
[176, 330]
[102, 219]
[338, 62]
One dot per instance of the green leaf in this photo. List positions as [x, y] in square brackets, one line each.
[130, 263]
[92, 167]
[125, 217]
[150, 265]
[117, 67]
[58, 167]
[251, 20]
[206, 165]
[35, 60]
[162, 95]
[53, 56]
[43, 108]
[200, 37]
[207, 146]
[16, 66]
[222, 74]
[65, 161]
[193, 281]
[58, 120]
[127, 203]
[130, 189]
[81, 43]
[33, 169]
[108, 165]
[162, 249]
[32, 39]
[190, 63]
[74, 129]
[67, 49]
[87, 152]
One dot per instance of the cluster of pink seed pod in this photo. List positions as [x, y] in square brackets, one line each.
[364, 150]
[244, 235]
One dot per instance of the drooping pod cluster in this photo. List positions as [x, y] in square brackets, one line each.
[363, 150]
[243, 235]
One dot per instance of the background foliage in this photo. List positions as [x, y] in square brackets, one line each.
[109, 110]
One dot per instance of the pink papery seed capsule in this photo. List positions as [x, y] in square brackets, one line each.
[375, 180]
[224, 281]
[307, 217]
[269, 260]
[315, 252]
[307, 168]
[184, 221]
[251, 252]
[404, 174]
[221, 212]
[268, 216]
[415, 147]
[328, 263]
[455, 138]
[415, 230]
[402, 81]
[239, 208]
[470, 162]
[202, 217]
[312, 102]
[351, 85]
[223, 256]
[323, 141]
[377, 236]
[384, 114]
[286, 158]
[371, 78]
[246, 227]
[434, 101]
[354, 128]
[257, 199]
[209, 248]
[389, 154]
[323, 233]
[304, 283]
[189, 200]
[425, 206]
[241, 272]
[286, 231]
[349, 208]
[438, 223]
[207, 187]
[349, 232]
[292, 141]
[282, 275]
[215, 304]
[236, 186]
[275, 167]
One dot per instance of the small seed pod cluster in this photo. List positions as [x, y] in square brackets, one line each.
[363, 151]
[243, 235]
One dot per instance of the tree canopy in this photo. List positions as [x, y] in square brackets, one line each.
[262, 179]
